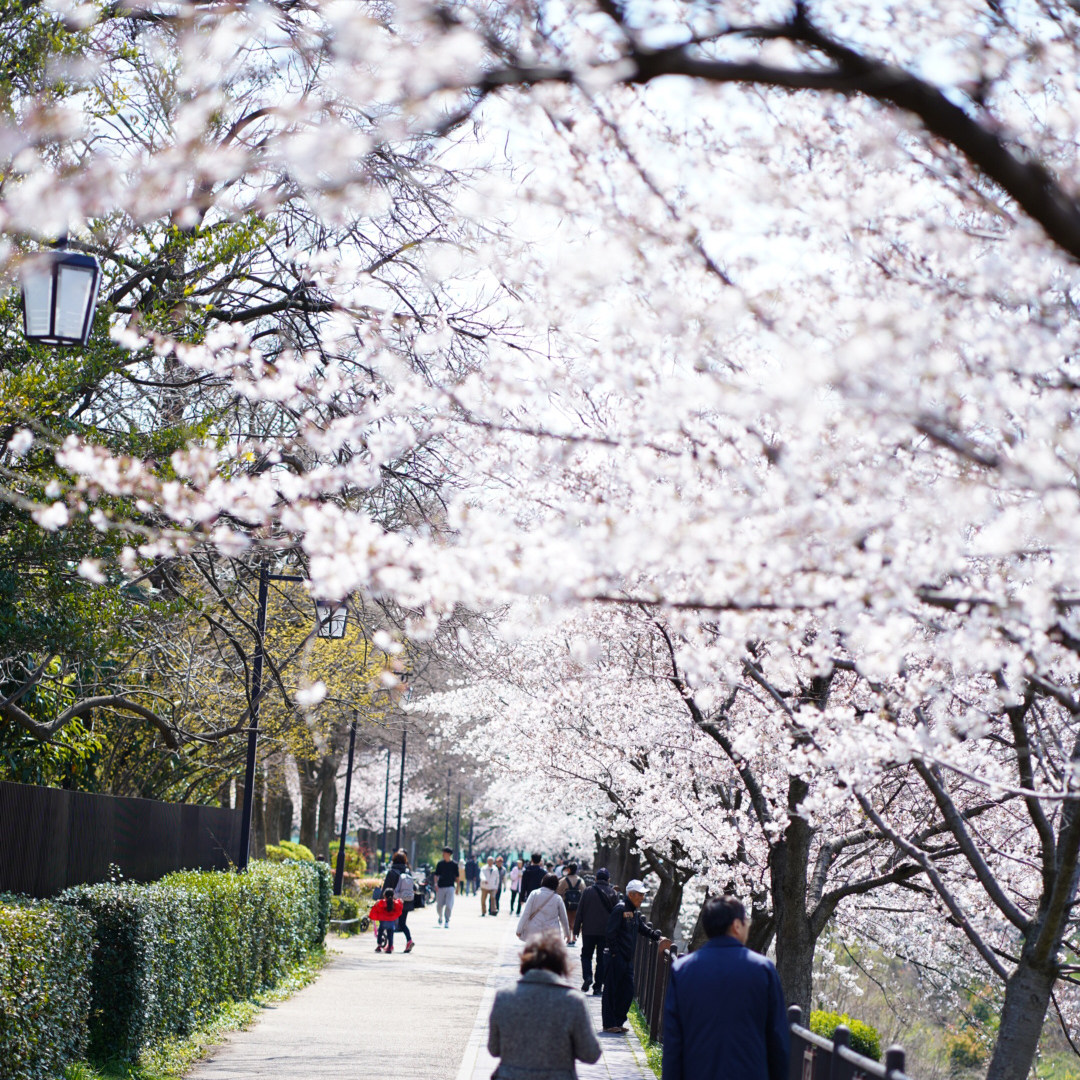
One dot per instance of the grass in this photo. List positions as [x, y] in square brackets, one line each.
[173, 1058]
[653, 1052]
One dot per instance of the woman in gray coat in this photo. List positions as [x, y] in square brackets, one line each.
[541, 1027]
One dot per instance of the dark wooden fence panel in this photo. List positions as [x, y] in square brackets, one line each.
[52, 839]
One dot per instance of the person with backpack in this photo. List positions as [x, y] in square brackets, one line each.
[531, 877]
[405, 891]
[597, 903]
[570, 889]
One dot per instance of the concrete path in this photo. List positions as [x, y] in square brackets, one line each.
[417, 1017]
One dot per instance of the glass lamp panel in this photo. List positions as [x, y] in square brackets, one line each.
[74, 293]
[37, 283]
[331, 618]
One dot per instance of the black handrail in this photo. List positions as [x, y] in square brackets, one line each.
[814, 1057]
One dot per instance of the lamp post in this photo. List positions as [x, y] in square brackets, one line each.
[400, 793]
[335, 618]
[446, 831]
[339, 871]
[385, 805]
[59, 296]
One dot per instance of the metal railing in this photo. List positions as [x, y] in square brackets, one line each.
[814, 1057]
[652, 969]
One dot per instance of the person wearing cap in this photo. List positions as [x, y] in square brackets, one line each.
[590, 922]
[624, 924]
[724, 1012]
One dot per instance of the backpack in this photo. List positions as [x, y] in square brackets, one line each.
[572, 896]
[405, 887]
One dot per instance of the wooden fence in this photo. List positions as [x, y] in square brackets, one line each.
[51, 839]
[813, 1057]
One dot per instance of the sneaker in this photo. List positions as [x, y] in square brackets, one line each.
[482, 914]
[447, 927]
[585, 987]
[378, 948]
[598, 992]
[389, 949]
[408, 948]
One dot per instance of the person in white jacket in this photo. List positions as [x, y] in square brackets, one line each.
[544, 910]
[489, 882]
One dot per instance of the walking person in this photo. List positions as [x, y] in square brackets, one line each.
[541, 1028]
[544, 910]
[393, 872]
[624, 924]
[405, 891]
[446, 875]
[570, 889]
[531, 876]
[724, 1014]
[472, 876]
[386, 912]
[597, 903]
[515, 885]
[489, 879]
[500, 865]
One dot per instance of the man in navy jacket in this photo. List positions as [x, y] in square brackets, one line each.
[724, 1015]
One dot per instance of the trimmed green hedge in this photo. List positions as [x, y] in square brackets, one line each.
[44, 988]
[168, 953]
[864, 1038]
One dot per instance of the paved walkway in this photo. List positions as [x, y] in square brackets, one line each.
[416, 1017]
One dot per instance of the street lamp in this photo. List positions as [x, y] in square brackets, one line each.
[59, 295]
[331, 615]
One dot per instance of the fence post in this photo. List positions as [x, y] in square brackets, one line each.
[656, 1002]
[894, 1061]
[841, 1037]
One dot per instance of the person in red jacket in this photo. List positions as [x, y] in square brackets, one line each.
[387, 911]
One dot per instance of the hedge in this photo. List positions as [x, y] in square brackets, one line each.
[44, 989]
[167, 953]
[864, 1038]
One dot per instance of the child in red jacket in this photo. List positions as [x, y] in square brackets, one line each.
[388, 911]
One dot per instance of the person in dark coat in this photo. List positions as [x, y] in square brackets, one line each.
[597, 903]
[531, 877]
[624, 924]
[541, 1027]
[724, 1014]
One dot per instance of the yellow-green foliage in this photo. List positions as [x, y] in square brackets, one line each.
[289, 850]
[864, 1039]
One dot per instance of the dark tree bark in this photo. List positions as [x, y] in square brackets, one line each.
[258, 816]
[328, 799]
[309, 801]
[275, 793]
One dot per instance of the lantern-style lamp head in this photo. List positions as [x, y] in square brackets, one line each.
[332, 616]
[59, 296]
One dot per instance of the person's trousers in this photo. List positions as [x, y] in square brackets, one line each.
[591, 943]
[618, 991]
[515, 898]
[444, 903]
[487, 901]
[402, 925]
[498, 900]
[471, 886]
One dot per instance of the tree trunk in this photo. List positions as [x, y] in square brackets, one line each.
[328, 797]
[275, 792]
[1027, 997]
[309, 801]
[258, 816]
[620, 855]
[287, 811]
[795, 939]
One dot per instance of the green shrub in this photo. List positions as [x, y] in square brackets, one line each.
[167, 953]
[288, 850]
[864, 1039]
[344, 908]
[355, 863]
[44, 990]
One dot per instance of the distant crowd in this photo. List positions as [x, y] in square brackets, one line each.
[724, 1014]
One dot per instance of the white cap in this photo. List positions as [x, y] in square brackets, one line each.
[636, 886]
